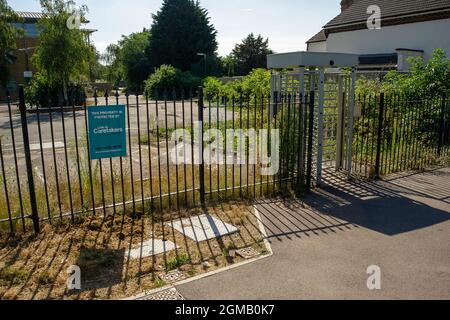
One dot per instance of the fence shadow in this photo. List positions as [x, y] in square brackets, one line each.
[378, 206]
[343, 205]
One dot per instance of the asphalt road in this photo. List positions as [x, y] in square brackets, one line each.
[324, 245]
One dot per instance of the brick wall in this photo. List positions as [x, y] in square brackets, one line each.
[17, 69]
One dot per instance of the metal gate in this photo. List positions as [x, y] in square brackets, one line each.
[333, 94]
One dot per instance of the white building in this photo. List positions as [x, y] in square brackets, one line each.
[408, 28]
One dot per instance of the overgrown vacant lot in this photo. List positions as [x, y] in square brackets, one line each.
[35, 267]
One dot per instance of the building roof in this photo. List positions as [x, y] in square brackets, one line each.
[35, 16]
[319, 37]
[30, 15]
[390, 10]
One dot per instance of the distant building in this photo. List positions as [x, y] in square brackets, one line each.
[22, 70]
[408, 28]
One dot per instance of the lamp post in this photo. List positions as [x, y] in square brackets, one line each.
[27, 62]
[204, 55]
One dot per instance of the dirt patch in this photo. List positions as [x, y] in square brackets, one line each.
[36, 267]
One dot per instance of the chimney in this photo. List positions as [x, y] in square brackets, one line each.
[345, 4]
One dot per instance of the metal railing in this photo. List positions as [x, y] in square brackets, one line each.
[396, 133]
[46, 172]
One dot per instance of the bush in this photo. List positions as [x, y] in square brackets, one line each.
[257, 83]
[212, 88]
[40, 93]
[167, 78]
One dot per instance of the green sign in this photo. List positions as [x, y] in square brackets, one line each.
[107, 132]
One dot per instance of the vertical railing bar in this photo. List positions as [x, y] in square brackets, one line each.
[54, 158]
[100, 162]
[385, 136]
[288, 144]
[44, 171]
[261, 189]
[69, 185]
[130, 148]
[226, 145]
[167, 149]
[357, 127]
[192, 145]
[5, 187]
[209, 151]
[77, 153]
[441, 125]
[247, 146]
[379, 137]
[201, 146]
[149, 145]
[184, 147]
[113, 189]
[255, 144]
[29, 165]
[241, 145]
[233, 151]
[13, 140]
[416, 138]
[141, 175]
[159, 152]
[176, 145]
[411, 137]
[217, 152]
[89, 156]
[282, 172]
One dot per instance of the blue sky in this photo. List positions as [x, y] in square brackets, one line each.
[287, 23]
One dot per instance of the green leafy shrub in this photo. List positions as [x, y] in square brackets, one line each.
[212, 88]
[256, 83]
[167, 78]
[41, 93]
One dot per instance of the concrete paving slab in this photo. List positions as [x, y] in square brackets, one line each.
[152, 247]
[204, 227]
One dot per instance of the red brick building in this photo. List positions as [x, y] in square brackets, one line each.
[24, 51]
[22, 68]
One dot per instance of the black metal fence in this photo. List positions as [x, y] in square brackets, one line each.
[395, 133]
[47, 175]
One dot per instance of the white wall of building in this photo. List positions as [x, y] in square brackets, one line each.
[424, 36]
[317, 46]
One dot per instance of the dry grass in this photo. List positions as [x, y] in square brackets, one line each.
[34, 267]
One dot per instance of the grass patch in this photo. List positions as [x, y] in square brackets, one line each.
[177, 262]
[12, 275]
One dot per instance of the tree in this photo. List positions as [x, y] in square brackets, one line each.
[251, 54]
[181, 29]
[229, 65]
[8, 35]
[63, 56]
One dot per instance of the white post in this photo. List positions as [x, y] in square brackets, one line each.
[301, 82]
[340, 125]
[320, 126]
[351, 118]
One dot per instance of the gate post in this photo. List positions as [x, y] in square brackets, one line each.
[379, 137]
[320, 133]
[340, 124]
[310, 140]
[441, 126]
[201, 150]
[351, 115]
[26, 146]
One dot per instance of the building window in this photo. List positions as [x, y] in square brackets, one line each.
[30, 29]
